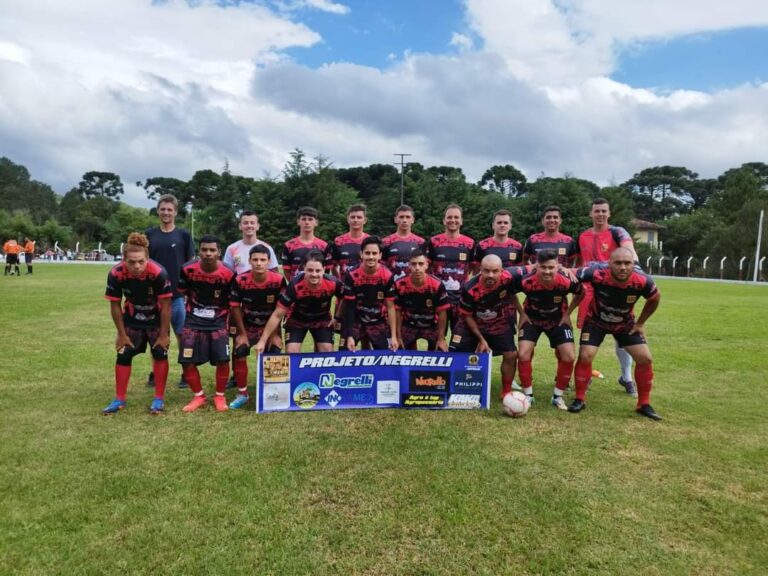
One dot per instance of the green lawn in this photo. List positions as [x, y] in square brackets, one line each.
[382, 492]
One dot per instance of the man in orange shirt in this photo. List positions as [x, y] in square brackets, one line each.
[12, 249]
[29, 253]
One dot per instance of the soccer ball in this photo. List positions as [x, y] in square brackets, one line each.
[516, 404]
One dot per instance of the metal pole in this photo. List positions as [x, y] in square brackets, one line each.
[759, 239]
[741, 266]
[661, 259]
[704, 267]
[674, 263]
[402, 171]
[688, 265]
[760, 264]
[721, 266]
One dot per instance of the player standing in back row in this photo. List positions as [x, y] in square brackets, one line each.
[399, 246]
[450, 254]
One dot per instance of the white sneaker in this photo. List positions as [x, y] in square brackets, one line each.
[559, 403]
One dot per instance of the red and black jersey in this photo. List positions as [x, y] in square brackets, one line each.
[451, 261]
[207, 295]
[510, 251]
[490, 307]
[397, 252]
[257, 300]
[369, 293]
[544, 305]
[419, 305]
[295, 250]
[597, 246]
[346, 252]
[307, 304]
[562, 244]
[613, 303]
[142, 293]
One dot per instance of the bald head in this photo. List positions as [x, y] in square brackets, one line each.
[490, 270]
[622, 253]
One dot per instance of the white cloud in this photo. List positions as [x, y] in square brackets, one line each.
[560, 42]
[147, 90]
[461, 41]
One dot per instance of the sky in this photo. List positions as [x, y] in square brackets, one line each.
[598, 89]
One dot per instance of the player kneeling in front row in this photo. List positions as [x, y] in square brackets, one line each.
[146, 317]
[546, 310]
[485, 323]
[369, 301]
[206, 283]
[421, 304]
[616, 289]
[253, 300]
[307, 302]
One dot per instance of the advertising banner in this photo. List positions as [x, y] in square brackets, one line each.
[373, 379]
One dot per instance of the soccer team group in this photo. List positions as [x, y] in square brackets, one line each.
[389, 293]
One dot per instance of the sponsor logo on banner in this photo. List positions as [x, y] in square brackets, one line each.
[276, 368]
[423, 400]
[468, 382]
[333, 398]
[428, 381]
[306, 395]
[466, 401]
[474, 360]
[333, 381]
[388, 392]
[277, 396]
[362, 398]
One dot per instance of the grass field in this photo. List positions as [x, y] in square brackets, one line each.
[382, 492]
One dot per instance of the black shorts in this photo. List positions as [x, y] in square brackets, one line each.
[411, 335]
[560, 334]
[28, 257]
[295, 332]
[465, 341]
[377, 335]
[199, 347]
[254, 335]
[593, 335]
[140, 337]
[11, 259]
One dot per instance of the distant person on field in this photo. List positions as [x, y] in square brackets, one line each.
[143, 319]
[616, 288]
[29, 254]
[12, 249]
[171, 247]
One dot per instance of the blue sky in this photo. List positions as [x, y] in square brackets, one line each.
[600, 89]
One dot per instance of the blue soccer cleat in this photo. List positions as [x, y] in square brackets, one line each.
[239, 402]
[157, 406]
[114, 407]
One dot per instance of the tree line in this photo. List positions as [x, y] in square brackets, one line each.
[700, 217]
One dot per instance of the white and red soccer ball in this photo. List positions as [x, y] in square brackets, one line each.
[515, 404]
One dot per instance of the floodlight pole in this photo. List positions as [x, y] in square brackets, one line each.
[402, 177]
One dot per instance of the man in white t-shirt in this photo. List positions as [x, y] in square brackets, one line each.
[236, 255]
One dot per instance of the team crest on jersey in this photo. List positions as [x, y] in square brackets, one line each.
[462, 257]
[631, 299]
[557, 299]
[502, 294]
[429, 303]
[513, 256]
[217, 293]
[604, 247]
[270, 298]
[380, 296]
[561, 251]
